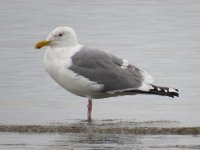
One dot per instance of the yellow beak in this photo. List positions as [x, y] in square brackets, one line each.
[42, 44]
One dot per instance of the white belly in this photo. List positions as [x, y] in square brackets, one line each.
[59, 71]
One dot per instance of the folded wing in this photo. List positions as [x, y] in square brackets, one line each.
[114, 73]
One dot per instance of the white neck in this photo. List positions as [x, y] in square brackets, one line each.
[62, 52]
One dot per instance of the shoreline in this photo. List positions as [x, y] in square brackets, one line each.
[83, 128]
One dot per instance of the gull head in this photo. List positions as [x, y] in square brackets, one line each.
[59, 37]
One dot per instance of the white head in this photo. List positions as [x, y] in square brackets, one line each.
[60, 37]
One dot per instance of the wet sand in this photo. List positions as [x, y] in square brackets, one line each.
[107, 127]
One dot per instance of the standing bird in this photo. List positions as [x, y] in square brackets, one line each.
[93, 73]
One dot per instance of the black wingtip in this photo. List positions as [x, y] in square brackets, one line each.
[174, 94]
[165, 91]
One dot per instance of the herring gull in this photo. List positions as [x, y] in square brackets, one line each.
[93, 73]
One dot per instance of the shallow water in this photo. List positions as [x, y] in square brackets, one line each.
[88, 141]
[161, 37]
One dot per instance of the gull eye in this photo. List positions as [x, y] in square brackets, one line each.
[60, 34]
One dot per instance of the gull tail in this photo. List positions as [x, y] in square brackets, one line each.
[162, 91]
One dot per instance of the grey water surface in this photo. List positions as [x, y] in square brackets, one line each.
[161, 37]
[88, 141]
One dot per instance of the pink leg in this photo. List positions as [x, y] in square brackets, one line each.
[89, 110]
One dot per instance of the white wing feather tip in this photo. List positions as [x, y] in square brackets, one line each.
[147, 77]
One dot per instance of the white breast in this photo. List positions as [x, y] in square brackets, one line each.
[57, 63]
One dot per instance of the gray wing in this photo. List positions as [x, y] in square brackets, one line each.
[106, 69]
